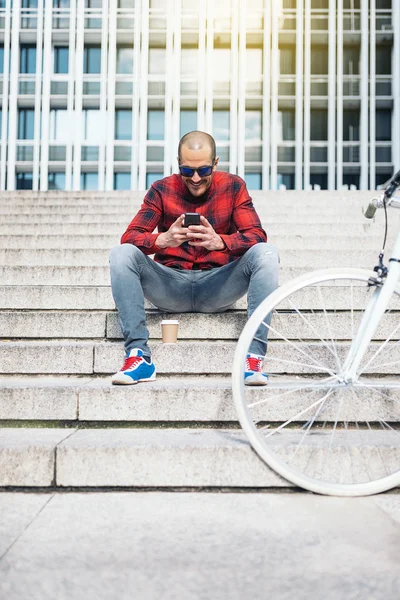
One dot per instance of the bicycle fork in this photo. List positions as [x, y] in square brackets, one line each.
[372, 316]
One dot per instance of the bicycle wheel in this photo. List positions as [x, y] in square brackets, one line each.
[315, 429]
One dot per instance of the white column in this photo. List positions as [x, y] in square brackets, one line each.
[299, 91]
[47, 70]
[372, 97]
[143, 83]
[38, 96]
[233, 144]
[396, 84]
[307, 93]
[266, 133]
[339, 110]
[104, 74]
[171, 142]
[209, 65]
[332, 96]
[169, 86]
[136, 99]
[203, 75]
[79, 133]
[13, 113]
[6, 74]
[109, 108]
[364, 75]
[71, 95]
[241, 122]
[274, 93]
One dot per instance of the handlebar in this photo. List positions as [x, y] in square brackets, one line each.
[386, 199]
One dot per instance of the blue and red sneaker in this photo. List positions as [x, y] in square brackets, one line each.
[135, 368]
[253, 374]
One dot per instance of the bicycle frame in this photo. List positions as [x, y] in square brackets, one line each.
[372, 316]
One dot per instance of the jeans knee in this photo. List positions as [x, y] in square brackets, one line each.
[263, 252]
[122, 255]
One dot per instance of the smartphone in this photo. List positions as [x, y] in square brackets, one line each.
[191, 219]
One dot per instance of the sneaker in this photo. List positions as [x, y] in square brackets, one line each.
[253, 374]
[135, 369]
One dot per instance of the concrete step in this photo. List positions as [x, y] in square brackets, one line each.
[170, 458]
[61, 275]
[267, 218]
[195, 326]
[58, 297]
[89, 257]
[306, 229]
[263, 208]
[186, 357]
[175, 400]
[105, 242]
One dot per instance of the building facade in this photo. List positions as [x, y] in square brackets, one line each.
[301, 94]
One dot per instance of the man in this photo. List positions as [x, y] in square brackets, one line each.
[200, 268]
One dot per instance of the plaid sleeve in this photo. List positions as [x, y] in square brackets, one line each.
[140, 229]
[248, 225]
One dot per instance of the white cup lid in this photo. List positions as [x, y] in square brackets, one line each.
[169, 322]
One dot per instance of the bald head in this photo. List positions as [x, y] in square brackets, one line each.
[197, 140]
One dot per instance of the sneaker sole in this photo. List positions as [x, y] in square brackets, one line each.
[132, 381]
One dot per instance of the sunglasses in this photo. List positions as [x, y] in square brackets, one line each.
[201, 171]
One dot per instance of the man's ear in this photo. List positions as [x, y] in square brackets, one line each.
[216, 163]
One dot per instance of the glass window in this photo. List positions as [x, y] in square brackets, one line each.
[125, 60]
[319, 125]
[93, 3]
[152, 177]
[351, 179]
[319, 60]
[126, 3]
[254, 64]
[351, 61]
[222, 62]
[29, 4]
[56, 181]
[155, 124]
[320, 179]
[27, 59]
[289, 4]
[92, 59]
[287, 61]
[1, 59]
[24, 181]
[60, 128]
[253, 181]
[383, 60]
[122, 181]
[286, 125]
[351, 125]
[286, 179]
[319, 3]
[190, 62]
[123, 124]
[61, 54]
[383, 126]
[89, 181]
[61, 3]
[94, 128]
[351, 4]
[157, 61]
[188, 121]
[26, 123]
[253, 125]
[221, 125]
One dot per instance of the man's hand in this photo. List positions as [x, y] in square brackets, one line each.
[204, 236]
[175, 236]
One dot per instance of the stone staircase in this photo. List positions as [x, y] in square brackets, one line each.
[62, 425]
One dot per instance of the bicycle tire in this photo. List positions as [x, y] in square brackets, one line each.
[360, 444]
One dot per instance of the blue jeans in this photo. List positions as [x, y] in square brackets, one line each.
[135, 276]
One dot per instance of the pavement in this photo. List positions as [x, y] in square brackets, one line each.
[193, 545]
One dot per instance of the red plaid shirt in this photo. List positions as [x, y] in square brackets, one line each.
[226, 205]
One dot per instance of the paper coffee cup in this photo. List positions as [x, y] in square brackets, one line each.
[169, 331]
